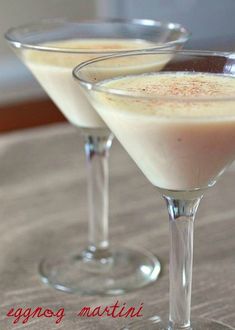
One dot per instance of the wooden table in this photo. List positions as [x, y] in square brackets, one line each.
[44, 211]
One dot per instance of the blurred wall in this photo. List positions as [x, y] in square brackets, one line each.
[211, 22]
[15, 80]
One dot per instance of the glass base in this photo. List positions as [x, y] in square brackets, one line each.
[90, 273]
[155, 323]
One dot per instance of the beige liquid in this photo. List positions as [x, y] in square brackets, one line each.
[178, 145]
[54, 72]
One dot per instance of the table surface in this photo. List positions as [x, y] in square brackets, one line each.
[44, 211]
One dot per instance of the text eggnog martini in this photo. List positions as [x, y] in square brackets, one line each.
[178, 124]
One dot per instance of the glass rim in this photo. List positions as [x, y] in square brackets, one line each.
[122, 93]
[142, 21]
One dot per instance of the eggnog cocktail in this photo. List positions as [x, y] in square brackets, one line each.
[53, 71]
[51, 49]
[179, 127]
[185, 144]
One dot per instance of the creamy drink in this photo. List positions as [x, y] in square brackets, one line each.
[178, 124]
[53, 70]
[52, 49]
[185, 143]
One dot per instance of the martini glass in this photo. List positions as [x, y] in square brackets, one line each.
[51, 49]
[178, 124]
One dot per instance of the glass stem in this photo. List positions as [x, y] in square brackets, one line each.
[97, 145]
[181, 215]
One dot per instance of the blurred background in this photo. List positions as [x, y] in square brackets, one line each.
[211, 22]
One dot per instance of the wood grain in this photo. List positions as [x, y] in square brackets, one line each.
[44, 211]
